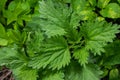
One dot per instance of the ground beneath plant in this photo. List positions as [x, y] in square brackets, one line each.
[6, 74]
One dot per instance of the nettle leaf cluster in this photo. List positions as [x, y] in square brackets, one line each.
[60, 39]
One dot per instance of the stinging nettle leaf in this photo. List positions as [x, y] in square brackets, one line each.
[82, 56]
[9, 55]
[53, 17]
[59, 75]
[76, 72]
[112, 53]
[75, 19]
[55, 54]
[36, 37]
[27, 74]
[57, 44]
[98, 34]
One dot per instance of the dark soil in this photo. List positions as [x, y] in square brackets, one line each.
[6, 74]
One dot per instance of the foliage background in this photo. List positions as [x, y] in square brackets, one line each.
[60, 39]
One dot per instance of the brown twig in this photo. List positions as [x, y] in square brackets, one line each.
[6, 74]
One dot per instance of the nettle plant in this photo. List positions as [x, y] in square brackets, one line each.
[64, 40]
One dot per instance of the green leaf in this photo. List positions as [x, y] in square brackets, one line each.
[112, 56]
[82, 56]
[75, 19]
[3, 42]
[19, 7]
[87, 14]
[103, 3]
[53, 17]
[56, 54]
[79, 4]
[54, 76]
[15, 11]
[92, 2]
[118, 1]
[2, 4]
[83, 9]
[25, 17]
[112, 10]
[16, 36]
[98, 34]
[75, 72]
[10, 16]
[37, 38]
[3, 36]
[113, 75]
[100, 18]
[67, 1]
[73, 36]
[8, 55]
[27, 74]
[2, 31]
